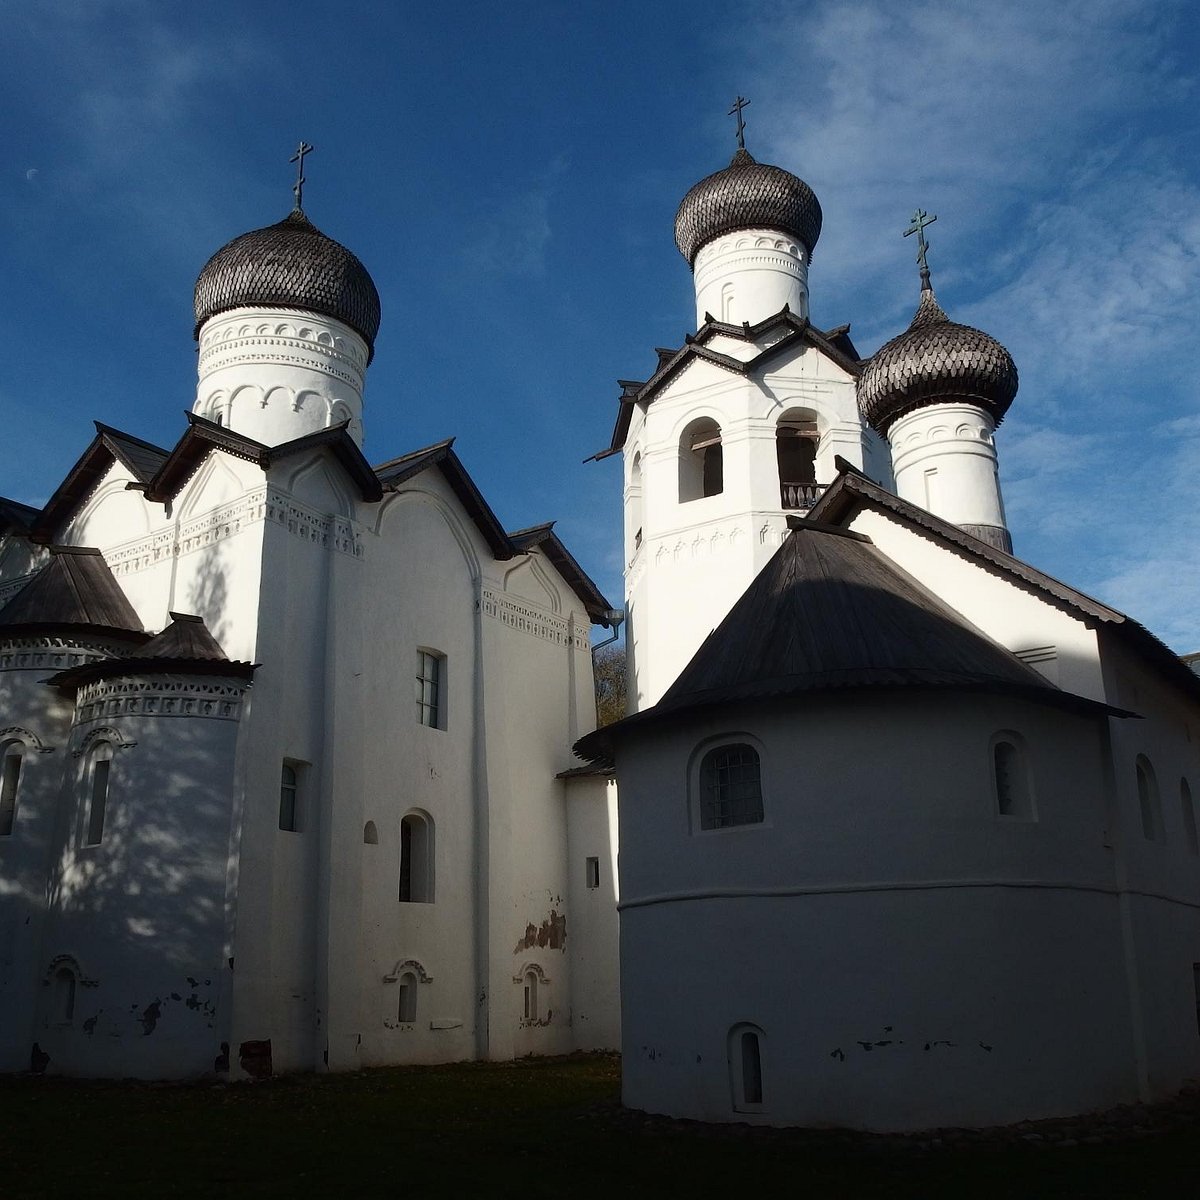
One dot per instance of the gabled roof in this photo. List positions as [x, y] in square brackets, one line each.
[831, 612]
[185, 647]
[203, 436]
[16, 517]
[142, 459]
[75, 590]
[852, 489]
[544, 537]
[397, 471]
[835, 345]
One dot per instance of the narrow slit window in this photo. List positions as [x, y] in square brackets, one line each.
[1011, 776]
[593, 872]
[64, 996]
[531, 996]
[98, 782]
[1187, 810]
[406, 1011]
[10, 782]
[289, 799]
[752, 1091]
[1149, 802]
[416, 860]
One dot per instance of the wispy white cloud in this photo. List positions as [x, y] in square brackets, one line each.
[512, 239]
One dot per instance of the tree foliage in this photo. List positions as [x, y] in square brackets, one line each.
[610, 684]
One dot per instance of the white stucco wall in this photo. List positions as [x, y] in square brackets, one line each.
[910, 957]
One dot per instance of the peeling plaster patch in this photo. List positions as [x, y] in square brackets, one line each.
[89, 1026]
[551, 933]
[150, 1016]
[836, 1052]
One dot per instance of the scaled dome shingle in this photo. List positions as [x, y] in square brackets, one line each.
[936, 361]
[747, 195]
[294, 265]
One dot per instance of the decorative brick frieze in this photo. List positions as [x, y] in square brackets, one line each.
[51, 653]
[160, 696]
[526, 617]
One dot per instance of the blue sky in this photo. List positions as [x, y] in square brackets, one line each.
[510, 173]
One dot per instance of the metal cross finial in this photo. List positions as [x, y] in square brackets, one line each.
[298, 158]
[738, 105]
[920, 220]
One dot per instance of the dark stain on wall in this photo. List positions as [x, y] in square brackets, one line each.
[255, 1058]
[150, 1016]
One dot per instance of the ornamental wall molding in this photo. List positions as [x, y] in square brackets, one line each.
[70, 963]
[531, 968]
[408, 964]
[105, 733]
[160, 696]
[13, 732]
[260, 504]
[318, 336]
[330, 365]
[51, 653]
[747, 239]
[526, 617]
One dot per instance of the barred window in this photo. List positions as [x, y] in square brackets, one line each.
[730, 787]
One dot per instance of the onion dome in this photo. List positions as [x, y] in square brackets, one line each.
[747, 195]
[294, 265]
[936, 361]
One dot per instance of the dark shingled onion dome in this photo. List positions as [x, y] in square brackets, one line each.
[293, 265]
[936, 361]
[747, 195]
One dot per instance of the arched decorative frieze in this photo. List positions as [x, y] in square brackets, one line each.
[104, 733]
[50, 653]
[67, 962]
[530, 564]
[407, 965]
[418, 495]
[11, 733]
[341, 503]
[204, 696]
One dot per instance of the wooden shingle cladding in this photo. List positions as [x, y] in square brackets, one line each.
[75, 590]
[16, 517]
[830, 612]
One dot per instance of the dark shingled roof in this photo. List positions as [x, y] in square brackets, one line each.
[295, 265]
[185, 647]
[936, 361]
[831, 612]
[74, 590]
[747, 195]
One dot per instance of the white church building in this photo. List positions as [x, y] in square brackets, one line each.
[906, 826]
[907, 830]
[281, 731]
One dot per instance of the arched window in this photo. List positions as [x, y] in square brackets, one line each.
[1010, 775]
[1148, 800]
[634, 507]
[96, 781]
[64, 996]
[730, 787]
[406, 1008]
[1188, 813]
[370, 834]
[12, 755]
[701, 466]
[531, 995]
[745, 1067]
[796, 454]
[416, 859]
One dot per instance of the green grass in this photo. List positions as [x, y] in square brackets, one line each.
[536, 1128]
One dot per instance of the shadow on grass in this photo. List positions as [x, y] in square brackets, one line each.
[544, 1127]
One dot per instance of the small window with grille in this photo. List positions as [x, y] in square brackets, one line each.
[730, 787]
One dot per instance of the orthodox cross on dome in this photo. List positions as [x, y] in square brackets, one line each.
[738, 105]
[298, 158]
[920, 221]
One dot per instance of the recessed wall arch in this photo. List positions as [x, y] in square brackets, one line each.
[696, 783]
[408, 964]
[545, 591]
[13, 733]
[317, 470]
[216, 482]
[460, 534]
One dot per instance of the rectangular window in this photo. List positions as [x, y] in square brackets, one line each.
[95, 829]
[431, 687]
[593, 872]
[289, 799]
